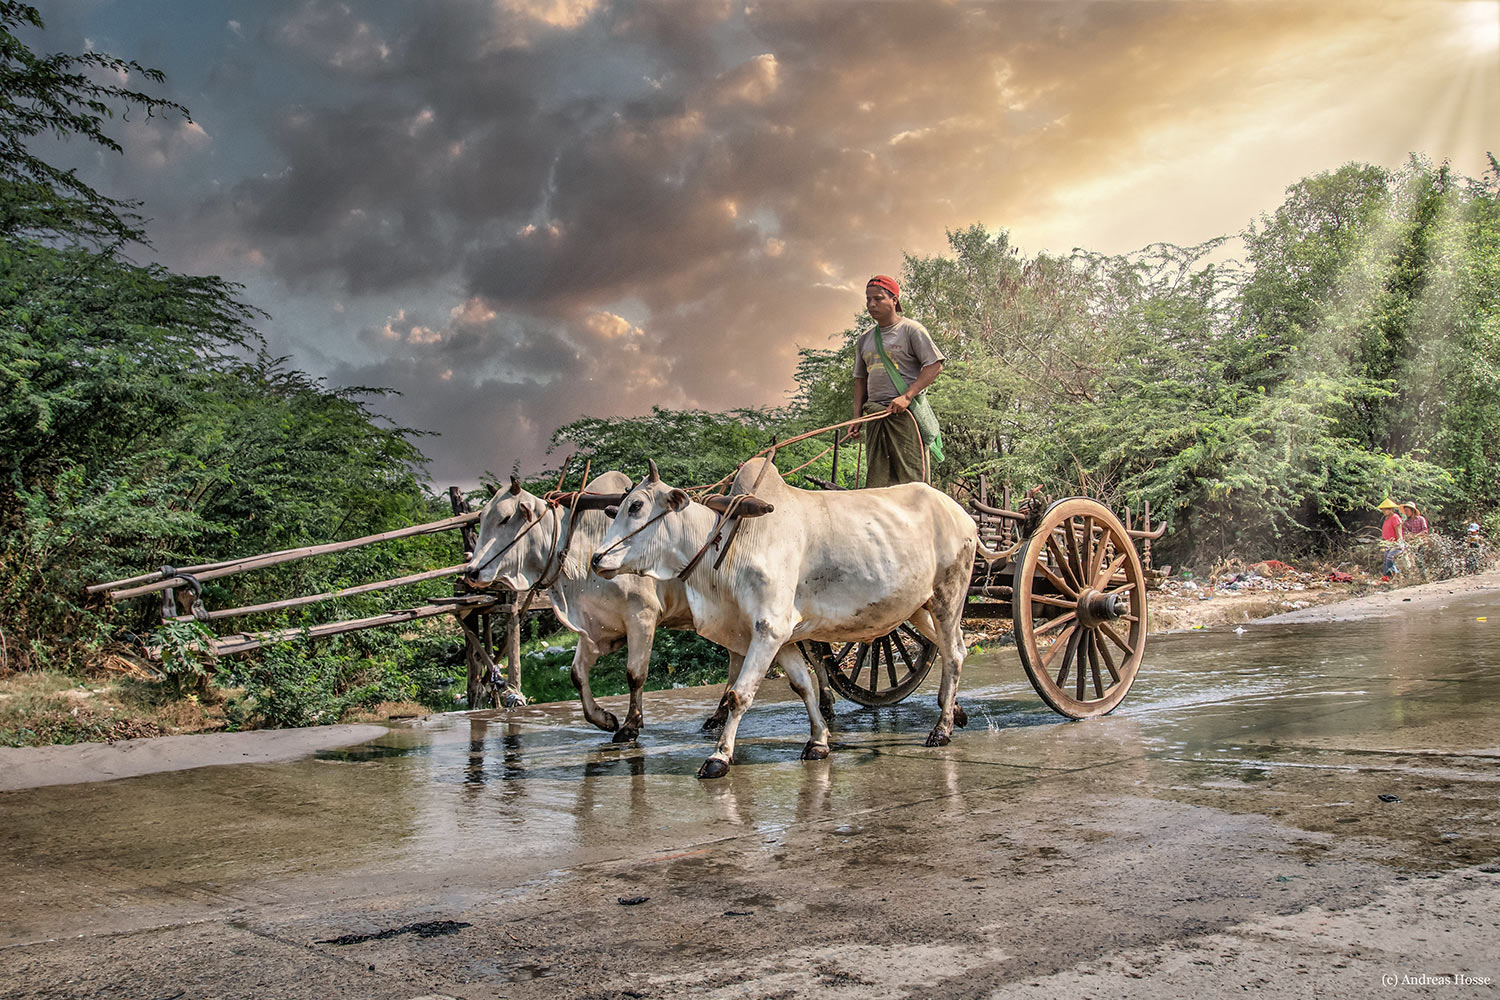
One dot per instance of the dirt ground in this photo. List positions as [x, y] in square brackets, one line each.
[1296, 811]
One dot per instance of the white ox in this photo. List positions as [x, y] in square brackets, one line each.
[520, 539]
[835, 566]
[519, 542]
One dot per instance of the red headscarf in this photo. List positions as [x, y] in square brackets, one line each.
[889, 284]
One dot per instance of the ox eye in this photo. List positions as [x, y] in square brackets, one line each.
[635, 507]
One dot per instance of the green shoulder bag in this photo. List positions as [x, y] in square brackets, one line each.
[927, 422]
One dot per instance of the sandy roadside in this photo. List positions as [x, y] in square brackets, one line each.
[1387, 600]
[31, 767]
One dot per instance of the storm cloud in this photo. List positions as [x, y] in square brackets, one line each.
[519, 213]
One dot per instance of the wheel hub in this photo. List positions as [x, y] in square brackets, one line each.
[1094, 607]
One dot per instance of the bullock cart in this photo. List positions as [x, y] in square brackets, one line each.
[1073, 581]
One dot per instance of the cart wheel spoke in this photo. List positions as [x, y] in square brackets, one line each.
[1124, 646]
[1094, 665]
[1056, 580]
[1064, 641]
[1053, 623]
[1109, 571]
[1054, 602]
[900, 645]
[1061, 563]
[1109, 663]
[861, 651]
[1075, 556]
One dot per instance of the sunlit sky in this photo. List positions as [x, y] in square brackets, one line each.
[521, 212]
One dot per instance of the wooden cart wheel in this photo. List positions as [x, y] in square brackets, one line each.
[880, 673]
[1079, 606]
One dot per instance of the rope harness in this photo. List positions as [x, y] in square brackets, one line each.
[555, 552]
[730, 517]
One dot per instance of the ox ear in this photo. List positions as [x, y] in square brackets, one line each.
[653, 476]
[527, 514]
[611, 511]
[515, 486]
[677, 499]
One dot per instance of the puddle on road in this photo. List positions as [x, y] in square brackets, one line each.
[1307, 724]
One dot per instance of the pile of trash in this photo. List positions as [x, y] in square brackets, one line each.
[1270, 575]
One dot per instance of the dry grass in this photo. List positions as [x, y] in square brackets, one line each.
[40, 707]
[386, 711]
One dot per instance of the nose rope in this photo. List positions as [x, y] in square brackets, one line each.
[621, 541]
[510, 545]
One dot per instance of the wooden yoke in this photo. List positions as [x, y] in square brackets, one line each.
[585, 501]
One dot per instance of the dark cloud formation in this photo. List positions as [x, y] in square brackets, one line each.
[525, 211]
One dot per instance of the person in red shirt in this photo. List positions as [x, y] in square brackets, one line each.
[1415, 523]
[1391, 533]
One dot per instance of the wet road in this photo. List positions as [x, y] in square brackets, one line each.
[1299, 809]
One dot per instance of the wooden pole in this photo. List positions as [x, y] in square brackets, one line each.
[212, 571]
[835, 474]
[297, 602]
[1146, 544]
[474, 650]
[513, 645]
[246, 641]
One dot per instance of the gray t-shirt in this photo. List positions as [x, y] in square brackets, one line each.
[910, 348]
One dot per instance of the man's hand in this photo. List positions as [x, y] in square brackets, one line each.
[853, 435]
[900, 404]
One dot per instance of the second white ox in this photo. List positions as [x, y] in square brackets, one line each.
[521, 540]
[836, 566]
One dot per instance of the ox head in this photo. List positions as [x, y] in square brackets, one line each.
[512, 546]
[641, 538]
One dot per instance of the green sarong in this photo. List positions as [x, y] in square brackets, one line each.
[893, 449]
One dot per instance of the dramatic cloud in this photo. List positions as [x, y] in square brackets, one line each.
[524, 211]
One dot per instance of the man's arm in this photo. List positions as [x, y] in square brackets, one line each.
[925, 378]
[861, 393]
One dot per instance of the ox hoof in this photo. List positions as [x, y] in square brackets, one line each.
[937, 738]
[960, 717]
[625, 734]
[815, 751]
[611, 723]
[713, 723]
[714, 767]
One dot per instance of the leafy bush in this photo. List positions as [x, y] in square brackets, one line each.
[678, 659]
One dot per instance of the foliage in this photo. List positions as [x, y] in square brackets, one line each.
[678, 659]
[141, 426]
[697, 448]
[1262, 406]
[315, 682]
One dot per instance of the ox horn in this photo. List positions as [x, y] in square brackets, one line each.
[491, 488]
[654, 476]
[515, 486]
